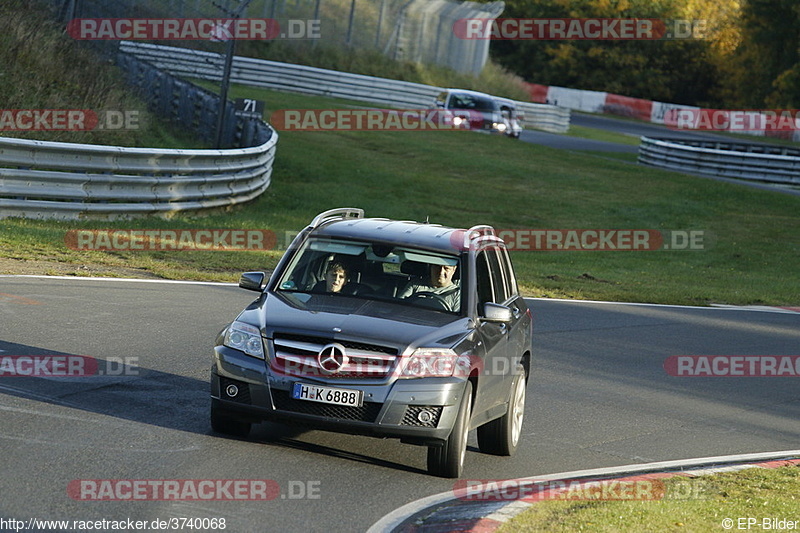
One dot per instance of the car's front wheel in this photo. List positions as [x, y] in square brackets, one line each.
[221, 422]
[501, 436]
[448, 460]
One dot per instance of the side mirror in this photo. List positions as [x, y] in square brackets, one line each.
[252, 281]
[496, 313]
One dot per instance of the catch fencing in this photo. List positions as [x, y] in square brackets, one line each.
[407, 30]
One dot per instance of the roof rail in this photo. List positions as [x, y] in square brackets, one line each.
[339, 212]
[476, 232]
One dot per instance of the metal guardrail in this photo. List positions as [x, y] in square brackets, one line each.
[310, 80]
[750, 161]
[545, 117]
[67, 181]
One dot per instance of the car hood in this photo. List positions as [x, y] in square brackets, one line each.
[355, 319]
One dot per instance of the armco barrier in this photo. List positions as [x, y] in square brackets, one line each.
[66, 181]
[545, 117]
[748, 161]
[309, 80]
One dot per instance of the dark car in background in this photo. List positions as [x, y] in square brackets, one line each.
[420, 334]
[481, 112]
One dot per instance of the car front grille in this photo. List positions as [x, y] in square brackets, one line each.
[366, 413]
[297, 355]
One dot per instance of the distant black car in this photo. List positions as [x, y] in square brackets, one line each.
[385, 328]
[482, 112]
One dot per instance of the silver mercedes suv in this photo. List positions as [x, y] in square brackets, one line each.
[384, 328]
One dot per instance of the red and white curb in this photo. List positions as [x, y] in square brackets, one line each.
[449, 512]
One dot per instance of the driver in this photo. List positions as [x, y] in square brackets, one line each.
[441, 284]
[336, 278]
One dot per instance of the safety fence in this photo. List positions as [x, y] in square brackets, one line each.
[192, 107]
[676, 116]
[57, 180]
[408, 30]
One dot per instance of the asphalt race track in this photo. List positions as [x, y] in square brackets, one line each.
[616, 125]
[599, 397]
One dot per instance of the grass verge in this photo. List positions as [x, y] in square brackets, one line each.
[463, 178]
[755, 493]
[41, 68]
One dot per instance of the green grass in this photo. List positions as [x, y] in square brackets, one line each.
[42, 68]
[753, 493]
[461, 179]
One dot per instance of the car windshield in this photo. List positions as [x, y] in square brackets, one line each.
[472, 101]
[375, 271]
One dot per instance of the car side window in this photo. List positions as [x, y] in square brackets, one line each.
[498, 280]
[484, 281]
[508, 273]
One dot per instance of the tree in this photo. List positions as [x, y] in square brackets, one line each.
[768, 55]
[680, 71]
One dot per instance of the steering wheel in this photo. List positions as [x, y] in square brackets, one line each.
[431, 299]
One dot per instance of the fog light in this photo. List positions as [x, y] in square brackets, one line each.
[232, 390]
[425, 416]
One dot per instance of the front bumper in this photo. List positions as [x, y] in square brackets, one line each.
[390, 408]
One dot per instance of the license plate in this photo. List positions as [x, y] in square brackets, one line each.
[315, 393]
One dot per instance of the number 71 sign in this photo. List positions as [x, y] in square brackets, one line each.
[249, 106]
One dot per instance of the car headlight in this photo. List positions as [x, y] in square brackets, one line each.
[245, 338]
[434, 362]
[501, 127]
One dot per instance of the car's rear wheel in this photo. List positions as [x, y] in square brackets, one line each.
[501, 436]
[448, 460]
[221, 422]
